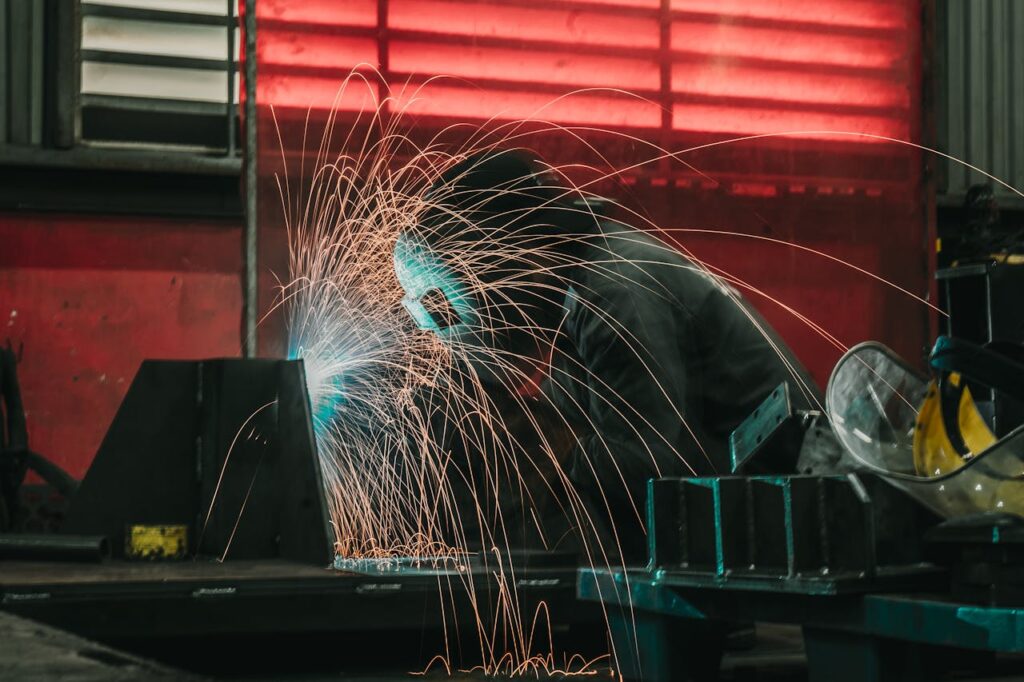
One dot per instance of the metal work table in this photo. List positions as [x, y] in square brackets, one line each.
[848, 637]
[116, 599]
[141, 607]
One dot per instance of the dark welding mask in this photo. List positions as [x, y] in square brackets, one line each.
[477, 268]
[436, 297]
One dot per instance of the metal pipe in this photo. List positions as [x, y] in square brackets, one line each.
[230, 110]
[250, 303]
[38, 547]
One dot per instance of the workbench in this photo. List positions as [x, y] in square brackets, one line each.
[668, 626]
[177, 612]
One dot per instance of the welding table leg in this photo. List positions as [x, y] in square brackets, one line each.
[843, 656]
[650, 647]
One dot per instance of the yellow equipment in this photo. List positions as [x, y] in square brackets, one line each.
[934, 452]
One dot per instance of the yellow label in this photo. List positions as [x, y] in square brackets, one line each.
[156, 542]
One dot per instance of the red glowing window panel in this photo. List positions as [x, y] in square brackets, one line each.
[586, 109]
[486, 20]
[304, 93]
[523, 66]
[325, 12]
[724, 79]
[648, 4]
[723, 67]
[799, 47]
[803, 124]
[303, 49]
[877, 14]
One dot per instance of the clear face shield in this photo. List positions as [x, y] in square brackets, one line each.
[891, 420]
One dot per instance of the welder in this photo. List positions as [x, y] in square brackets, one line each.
[649, 359]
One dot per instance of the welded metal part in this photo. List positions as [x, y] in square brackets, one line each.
[821, 454]
[772, 432]
[225, 447]
[407, 565]
[770, 531]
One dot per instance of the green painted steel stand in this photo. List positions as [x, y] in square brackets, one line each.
[667, 629]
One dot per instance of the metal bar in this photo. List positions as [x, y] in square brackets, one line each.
[1016, 142]
[997, 96]
[5, 95]
[933, 71]
[185, 107]
[36, 70]
[139, 160]
[978, 111]
[65, 121]
[139, 59]
[229, 109]
[665, 95]
[938, 57]
[955, 96]
[250, 293]
[53, 547]
[19, 29]
[90, 9]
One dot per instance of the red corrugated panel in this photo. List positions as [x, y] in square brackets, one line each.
[834, 14]
[520, 22]
[523, 66]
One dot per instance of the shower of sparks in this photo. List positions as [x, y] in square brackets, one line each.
[399, 412]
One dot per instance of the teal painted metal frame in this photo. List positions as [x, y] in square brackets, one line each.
[924, 619]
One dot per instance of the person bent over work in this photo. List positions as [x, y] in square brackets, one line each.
[630, 360]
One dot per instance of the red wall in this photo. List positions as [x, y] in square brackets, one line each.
[90, 297]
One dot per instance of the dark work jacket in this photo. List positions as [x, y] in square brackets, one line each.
[658, 362]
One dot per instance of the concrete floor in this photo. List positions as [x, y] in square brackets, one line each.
[30, 652]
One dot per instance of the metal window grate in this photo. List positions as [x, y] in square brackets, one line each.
[160, 73]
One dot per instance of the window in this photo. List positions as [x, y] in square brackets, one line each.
[160, 72]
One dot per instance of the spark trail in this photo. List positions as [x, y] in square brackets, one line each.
[421, 459]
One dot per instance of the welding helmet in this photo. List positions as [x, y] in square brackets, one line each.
[486, 266]
[928, 437]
